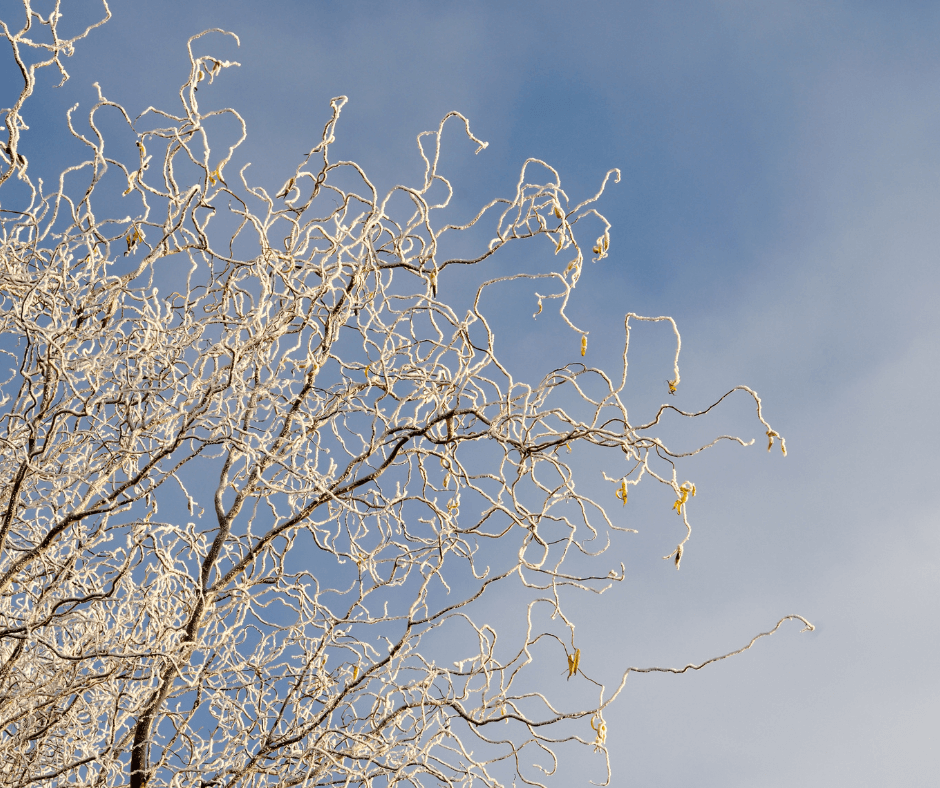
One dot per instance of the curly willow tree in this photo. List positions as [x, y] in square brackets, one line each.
[252, 519]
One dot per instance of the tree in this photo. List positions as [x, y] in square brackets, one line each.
[253, 501]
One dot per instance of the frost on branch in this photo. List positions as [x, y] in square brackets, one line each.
[260, 481]
[26, 41]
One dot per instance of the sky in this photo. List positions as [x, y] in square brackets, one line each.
[779, 198]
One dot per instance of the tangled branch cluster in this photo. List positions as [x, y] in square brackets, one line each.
[258, 490]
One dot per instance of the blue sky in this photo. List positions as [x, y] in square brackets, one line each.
[780, 194]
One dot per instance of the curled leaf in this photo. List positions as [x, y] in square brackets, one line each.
[675, 554]
[771, 434]
[216, 175]
[601, 730]
[672, 386]
[286, 188]
[110, 309]
[684, 491]
[574, 660]
[622, 492]
[133, 238]
[583, 345]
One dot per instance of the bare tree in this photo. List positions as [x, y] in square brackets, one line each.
[254, 501]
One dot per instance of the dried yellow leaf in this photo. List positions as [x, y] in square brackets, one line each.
[672, 386]
[583, 345]
[574, 660]
[684, 491]
[622, 492]
[771, 434]
[601, 730]
[133, 238]
[216, 175]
